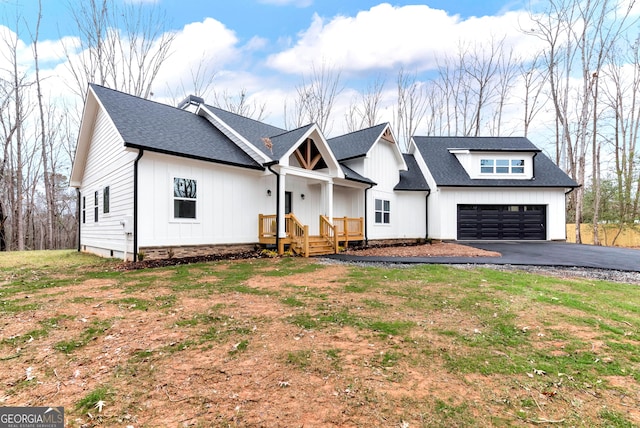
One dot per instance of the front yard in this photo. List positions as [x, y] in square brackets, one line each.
[300, 342]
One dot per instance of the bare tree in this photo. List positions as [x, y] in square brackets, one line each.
[410, 108]
[578, 34]
[621, 91]
[534, 79]
[240, 104]
[48, 186]
[316, 96]
[364, 112]
[120, 48]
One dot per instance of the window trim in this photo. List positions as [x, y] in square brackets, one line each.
[96, 200]
[175, 198]
[384, 211]
[106, 200]
[502, 166]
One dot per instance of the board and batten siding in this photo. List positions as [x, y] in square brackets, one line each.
[444, 204]
[110, 164]
[228, 202]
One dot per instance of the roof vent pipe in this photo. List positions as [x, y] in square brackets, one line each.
[190, 102]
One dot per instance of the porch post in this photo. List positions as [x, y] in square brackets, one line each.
[281, 220]
[329, 200]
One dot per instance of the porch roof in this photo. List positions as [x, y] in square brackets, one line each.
[350, 174]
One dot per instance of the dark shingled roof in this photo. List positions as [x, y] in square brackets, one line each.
[252, 130]
[412, 179]
[350, 174]
[447, 171]
[283, 142]
[161, 128]
[356, 144]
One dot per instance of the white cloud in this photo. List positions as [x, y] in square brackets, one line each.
[386, 37]
[207, 44]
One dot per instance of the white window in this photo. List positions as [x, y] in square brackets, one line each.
[105, 200]
[383, 211]
[95, 206]
[185, 194]
[502, 166]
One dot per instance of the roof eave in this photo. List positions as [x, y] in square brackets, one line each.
[195, 157]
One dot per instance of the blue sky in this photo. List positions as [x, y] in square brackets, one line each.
[267, 47]
[273, 19]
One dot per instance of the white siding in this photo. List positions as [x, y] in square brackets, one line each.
[348, 202]
[410, 215]
[443, 207]
[382, 167]
[407, 213]
[108, 163]
[229, 200]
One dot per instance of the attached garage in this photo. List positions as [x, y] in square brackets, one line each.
[502, 222]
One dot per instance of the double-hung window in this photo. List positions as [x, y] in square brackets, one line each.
[95, 206]
[185, 193]
[383, 211]
[105, 200]
[502, 166]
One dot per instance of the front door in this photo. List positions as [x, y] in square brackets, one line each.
[287, 202]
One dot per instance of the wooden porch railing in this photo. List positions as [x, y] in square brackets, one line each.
[343, 229]
[267, 226]
[349, 229]
[299, 234]
[328, 232]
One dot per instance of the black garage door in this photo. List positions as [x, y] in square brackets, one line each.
[502, 222]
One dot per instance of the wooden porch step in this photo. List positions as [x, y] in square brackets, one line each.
[319, 246]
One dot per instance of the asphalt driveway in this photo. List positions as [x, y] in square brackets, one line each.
[534, 253]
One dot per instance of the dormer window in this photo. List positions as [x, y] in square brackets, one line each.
[502, 166]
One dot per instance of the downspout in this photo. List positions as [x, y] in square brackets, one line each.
[269, 165]
[426, 215]
[135, 205]
[366, 223]
[79, 214]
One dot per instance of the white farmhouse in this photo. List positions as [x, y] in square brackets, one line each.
[194, 179]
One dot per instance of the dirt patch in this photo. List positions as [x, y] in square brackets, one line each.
[435, 249]
[294, 350]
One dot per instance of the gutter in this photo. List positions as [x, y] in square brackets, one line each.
[366, 222]
[269, 165]
[135, 205]
[426, 215]
[78, 216]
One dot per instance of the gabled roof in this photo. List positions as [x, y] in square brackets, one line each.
[355, 144]
[157, 127]
[447, 170]
[251, 130]
[283, 142]
[412, 179]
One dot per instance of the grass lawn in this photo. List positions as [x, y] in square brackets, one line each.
[297, 342]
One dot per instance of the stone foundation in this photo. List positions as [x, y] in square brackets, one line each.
[400, 241]
[180, 251]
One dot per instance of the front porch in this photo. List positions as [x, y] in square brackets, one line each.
[339, 231]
